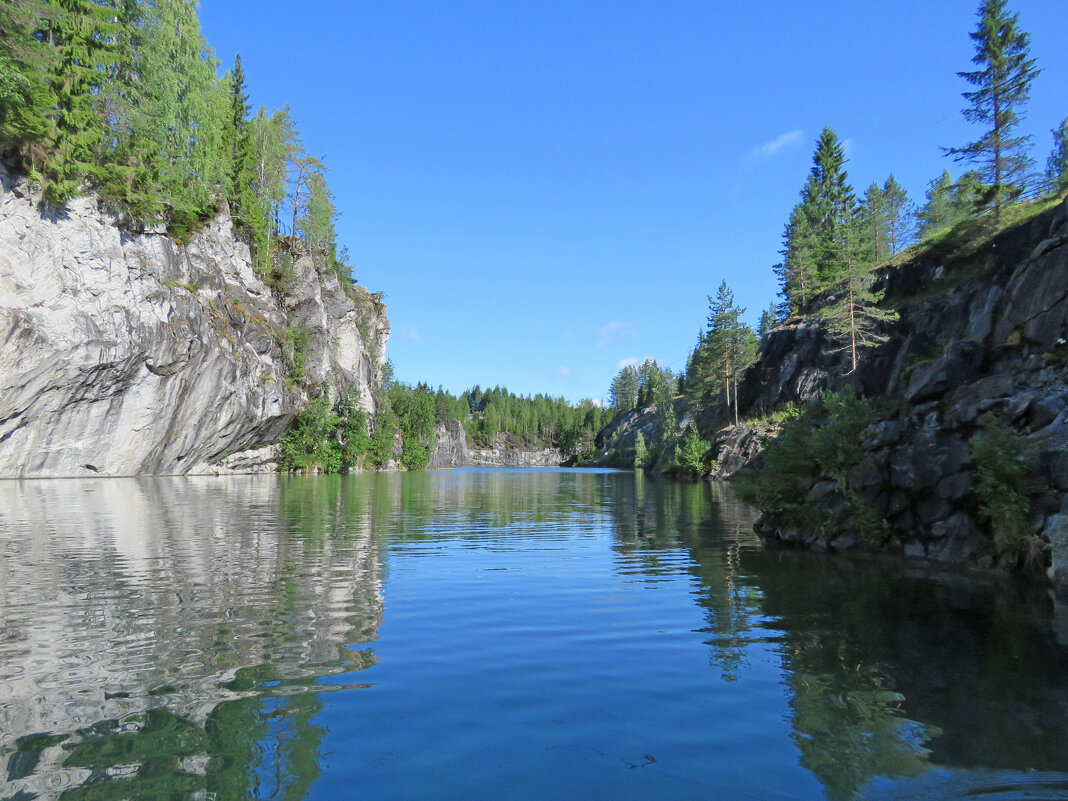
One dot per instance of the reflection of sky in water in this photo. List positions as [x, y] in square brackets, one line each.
[512, 634]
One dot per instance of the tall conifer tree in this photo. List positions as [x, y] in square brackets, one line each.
[900, 216]
[1002, 88]
[1057, 166]
[829, 203]
[854, 321]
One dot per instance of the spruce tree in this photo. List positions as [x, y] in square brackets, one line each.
[810, 251]
[948, 202]
[797, 271]
[1057, 166]
[829, 204]
[24, 91]
[1002, 88]
[78, 39]
[237, 143]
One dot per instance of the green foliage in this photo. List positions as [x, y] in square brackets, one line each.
[949, 203]
[641, 452]
[311, 443]
[295, 351]
[692, 453]
[811, 256]
[1057, 165]
[822, 442]
[325, 438]
[724, 350]
[623, 394]
[1003, 488]
[853, 319]
[383, 432]
[414, 410]
[352, 431]
[1002, 88]
[122, 97]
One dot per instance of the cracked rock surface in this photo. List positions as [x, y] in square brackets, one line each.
[129, 354]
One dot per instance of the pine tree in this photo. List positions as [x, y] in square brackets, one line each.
[854, 321]
[874, 222]
[768, 320]
[948, 203]
[1003, 87]
[900, 216]
[1057, 166]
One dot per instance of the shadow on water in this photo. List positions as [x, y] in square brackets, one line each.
[177, 638]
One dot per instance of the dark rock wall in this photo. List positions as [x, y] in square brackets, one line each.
[981, 334]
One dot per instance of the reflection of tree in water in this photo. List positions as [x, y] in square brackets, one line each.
[657, 522]
[248, 591]
[892, 672]
[889, 672]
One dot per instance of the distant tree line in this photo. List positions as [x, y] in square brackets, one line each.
[525, 422]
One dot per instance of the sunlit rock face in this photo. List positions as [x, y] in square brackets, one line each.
[130, 354]
[452, 451]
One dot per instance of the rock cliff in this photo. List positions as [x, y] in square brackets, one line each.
[452, 451]
[126, 353]
[982, 329]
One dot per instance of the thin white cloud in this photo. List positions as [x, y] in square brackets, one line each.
[614, 330]
[630, 361]
[409, 331]
[777, 145]
[563, 372]
[847, 147]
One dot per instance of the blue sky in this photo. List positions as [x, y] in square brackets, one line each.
[544, 190]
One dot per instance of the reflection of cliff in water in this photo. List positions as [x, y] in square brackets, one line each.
[169, 632]
[895, 671]
[890, 672]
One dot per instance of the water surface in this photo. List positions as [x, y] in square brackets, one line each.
[497, 634]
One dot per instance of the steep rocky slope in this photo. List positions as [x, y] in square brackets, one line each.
[127, 354]
[452, 451]
[982, 332]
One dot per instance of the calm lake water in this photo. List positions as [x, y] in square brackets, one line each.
[482, 634]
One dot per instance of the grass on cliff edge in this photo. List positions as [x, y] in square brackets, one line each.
[966, 238]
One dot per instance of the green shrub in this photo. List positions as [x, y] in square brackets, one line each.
[692, 453]
[823, 442]
[295, 351]
[383, 431]
[641, 452]
[1003, 487]
[311, 443]
[327, 438]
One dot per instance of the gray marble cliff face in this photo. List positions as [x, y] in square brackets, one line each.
[128, 354]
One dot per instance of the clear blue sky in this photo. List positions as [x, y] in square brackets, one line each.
[546, 189]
